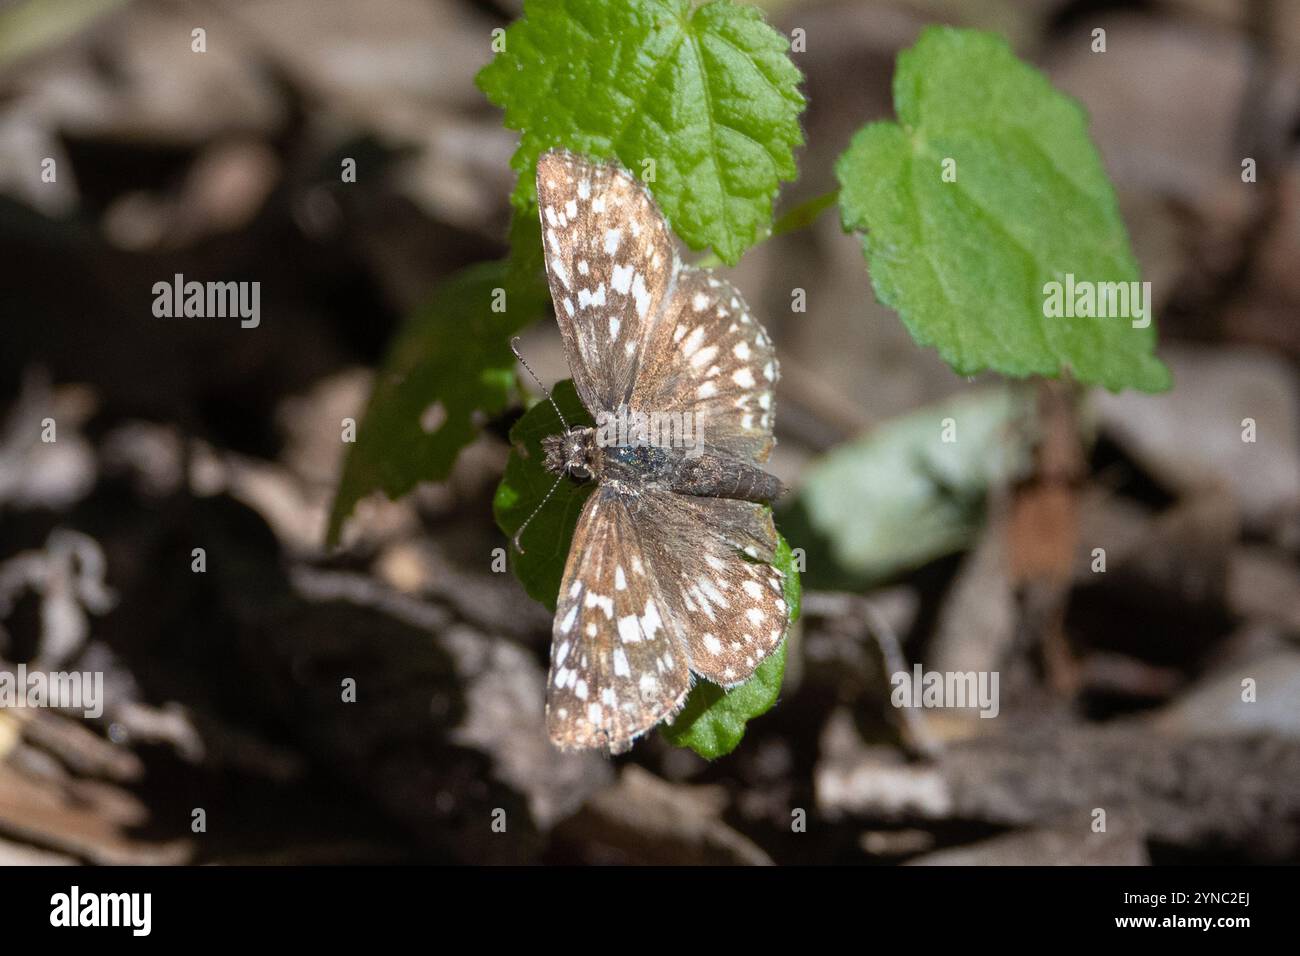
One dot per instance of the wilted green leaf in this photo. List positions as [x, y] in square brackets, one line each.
[708, 93]
[449, 369]
[965, 263]
[901, 495]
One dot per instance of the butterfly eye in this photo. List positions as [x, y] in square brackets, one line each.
[579, 471]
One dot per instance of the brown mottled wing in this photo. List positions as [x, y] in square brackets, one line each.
[730, 611]
[617, 668]
[610, 264]
[708, 355]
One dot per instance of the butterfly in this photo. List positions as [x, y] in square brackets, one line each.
[668, 576]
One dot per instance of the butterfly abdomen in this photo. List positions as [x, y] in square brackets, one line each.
[713, 476]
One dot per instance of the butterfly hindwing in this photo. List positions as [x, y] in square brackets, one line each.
[617, 668]
[729, 608]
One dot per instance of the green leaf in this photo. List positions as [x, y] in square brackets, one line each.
[805, 214]
[524, 485]
[708, 93]
[449, 369]
[965, 263]
[712, 721]
[902, 495]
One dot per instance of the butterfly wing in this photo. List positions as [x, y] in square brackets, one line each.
[617, 668]
[610, 263]
[706, 354]
[730, 611]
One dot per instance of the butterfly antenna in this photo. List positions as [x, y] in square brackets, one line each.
[541, 504]
[514, 347]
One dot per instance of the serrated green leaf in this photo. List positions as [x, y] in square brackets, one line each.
[965, 263]
[910, 490]
[449, 369]
[712, 721]
[708, 93]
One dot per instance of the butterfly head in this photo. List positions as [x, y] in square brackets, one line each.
[572, 452]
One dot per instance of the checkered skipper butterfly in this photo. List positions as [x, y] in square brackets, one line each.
[665, 577]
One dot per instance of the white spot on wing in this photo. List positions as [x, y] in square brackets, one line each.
[629, 631]
[599, 600]
[641, 295]
[693, 341]
[650, 622]
[592, 298]
[704, 356]
[622, 279]
[556, 263]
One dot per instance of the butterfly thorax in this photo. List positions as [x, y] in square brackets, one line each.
[686, 471]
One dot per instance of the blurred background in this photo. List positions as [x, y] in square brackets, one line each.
[1121, 689]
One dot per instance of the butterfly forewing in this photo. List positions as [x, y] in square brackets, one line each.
[617, 666]
[610, 264]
